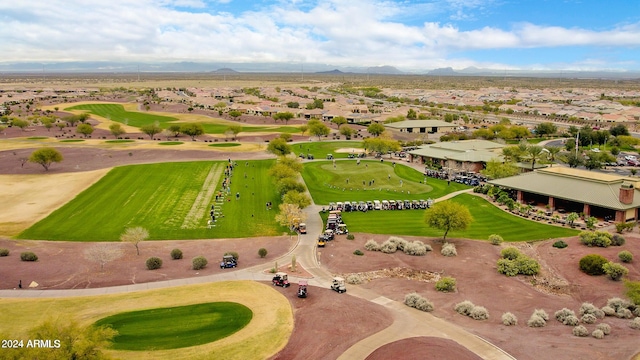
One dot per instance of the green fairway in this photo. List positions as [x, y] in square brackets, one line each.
[72, 140]
[487, 220]
[170, 200]
[171, 143]
[117, 113]
[225, 145]
[371, 180]
[213, 128]
[118, 141]
[177, 327]
[320, 149]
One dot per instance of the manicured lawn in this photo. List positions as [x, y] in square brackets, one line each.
[320, 149]
[118, 141]
[213, 128]
[37, 138]
[488, 220]
[171, 143]
[327, 184]
[170, 200]
[177, 327]
[223, 145]
[72, 140]
[117, 113]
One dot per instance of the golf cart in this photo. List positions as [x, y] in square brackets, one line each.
[342, 229]
[338, 285]
[228, 261]
[302, 227]
[328, 234]
[329, 156]
[302, 289]
[280, 279]
[321, 240]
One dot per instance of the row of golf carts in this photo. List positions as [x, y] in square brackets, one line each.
[380, 205]
[282, 279]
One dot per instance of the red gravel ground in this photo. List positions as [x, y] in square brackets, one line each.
[423, 348]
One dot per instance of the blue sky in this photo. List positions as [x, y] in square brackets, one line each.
[410, 35]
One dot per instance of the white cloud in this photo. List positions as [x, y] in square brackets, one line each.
[353, 33]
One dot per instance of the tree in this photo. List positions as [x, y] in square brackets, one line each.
[303, 129]
[316, 128]
[546, 128]
[71, 119]
[339, 120]
[290, 215]
[76, 341]
[235, 130]
[84, 129]
[618, 130]
[293, 105]
[381, 145]
[151, 130]
[535, 153]
[347, 131]
[117, 130]
[192, 129]
[288, 184]
[411, 114]
[83, 117]
[448, 215]
[496, 169]
[574, 160]
[174, 129]
[47, 122]
[281, 171]
[102, 253]
[22, 124]
[45, 156]
[284, 116]
[279, 147]
[135, 235]
[298, 198]
[375, 129]
[235, 114]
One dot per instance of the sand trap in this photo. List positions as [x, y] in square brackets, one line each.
[350, 150]
[29, 198]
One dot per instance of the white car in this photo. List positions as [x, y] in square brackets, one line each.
[630, 157]
[595, 150]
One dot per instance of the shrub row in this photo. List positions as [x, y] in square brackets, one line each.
[595, 264]
[415, 300]
[513, 262]
[394, 243]
[601, 239]
[475, 312]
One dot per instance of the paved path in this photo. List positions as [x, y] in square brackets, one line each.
[408, 322]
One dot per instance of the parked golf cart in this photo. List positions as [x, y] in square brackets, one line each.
[342, 229]
[338, 285]
[321, 240]
[280, 279]
[329, 156]
[302, 227]
[328, 234]
[302, 289]
[228, 261]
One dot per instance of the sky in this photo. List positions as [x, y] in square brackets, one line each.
[407, 34]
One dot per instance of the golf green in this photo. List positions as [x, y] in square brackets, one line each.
[176, 327]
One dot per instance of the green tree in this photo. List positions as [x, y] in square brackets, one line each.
[339, 120]
[411, 114]
[535, 153]
[316, 128]
[281, 171]
[84, 129]
[293, 105]
[175, 129]
[375, 129]
[298, 198]
[235, 114]
[151, 130]
[448, 215]
[117, 130]
[303, 129]
[235, 130]
[83, 117]
[496, 169]
[47, 122]
[71, 119]
[284, 116]
[45, 156]
[279, 147]
[574, 160]
[192, 129]
[135, 235]
[546, 128]
[347, 131]
[618, 130]
[290, 215]
[20, 123]
[381, 145]
[289, 184]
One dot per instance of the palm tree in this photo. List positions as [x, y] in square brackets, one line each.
[553, 152]
[535, 153]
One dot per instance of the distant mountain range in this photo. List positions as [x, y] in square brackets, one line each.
[307, 68]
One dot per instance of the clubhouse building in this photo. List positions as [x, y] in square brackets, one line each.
[422, 126]
[467, 155]
[565, 190]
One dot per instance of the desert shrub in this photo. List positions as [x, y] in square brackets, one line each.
[154, 263]
[527, 266]
[617, 303]
[571, 320]
[416, 248]
[414, 300]
[598, 334]
[507, 267]
[635, 323]
[608, 311]
[509, 319]
[536, 321]
[495, 239]
[427, 246]
[372, 245]
[28, 256]
[400, 242]
[176, 254]
[354, 279]
[199, 262]
[464, 308]
[560, 244]
[625, 256]
[358, 252]
[388, 247]
[563, 313]
[543, 314]
[234, 254]
[588, 318]
[633, 292]
[592, 264]
[449, 249]
[589, 308]
[605, 328]
[580, 331]
[262, 252]
[623, 313]
[596, 238]
[510, 253]
[350, 237]
[446, 284]
[621, 226]
[614, 271]
[4, 252]
[636, 311]
[479, 313]
[617, 240]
